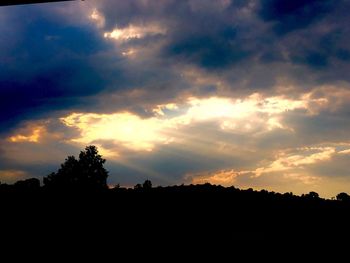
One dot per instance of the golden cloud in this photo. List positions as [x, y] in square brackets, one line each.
[289, 162]
[32, 134]
[221, 177]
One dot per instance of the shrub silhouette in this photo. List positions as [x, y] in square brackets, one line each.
[343, 197]
[311, 196]
[138, 186]
[147, 185]
[28, 185]
[86, 173]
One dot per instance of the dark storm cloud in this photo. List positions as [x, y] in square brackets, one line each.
[238, 39]
[292, 15]
[312, 35]
[210, 51]
[208, 33]
[47, 65]
[322, 51]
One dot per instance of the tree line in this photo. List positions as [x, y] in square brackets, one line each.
[87, 173]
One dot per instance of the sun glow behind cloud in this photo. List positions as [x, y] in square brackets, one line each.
[125, 128]
[230, 110]
[252, 114]
[135, 32]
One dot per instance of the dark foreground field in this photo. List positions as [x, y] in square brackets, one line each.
[202, 214]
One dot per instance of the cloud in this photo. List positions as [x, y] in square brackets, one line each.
[125, 128]
[134, 32]
[48, 64]
[345, 151]
[136, 133]
[115, 47]
[239, 53]
[298, 167]
[293, 15]
[291, 162]
[34, 136]
[37, 147]
[222, 177]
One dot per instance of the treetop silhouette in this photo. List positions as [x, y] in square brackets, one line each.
[343, 197]
[86, 173]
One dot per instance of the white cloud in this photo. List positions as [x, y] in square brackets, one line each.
[300, 158]
[98, 18]
[135, 32]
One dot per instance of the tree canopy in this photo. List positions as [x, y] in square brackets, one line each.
[87, 172]
[343, 197]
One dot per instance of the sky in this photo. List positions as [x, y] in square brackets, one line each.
[251, 93]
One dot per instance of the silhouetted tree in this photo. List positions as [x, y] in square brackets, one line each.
[147, 184]
[86, 173]
[343, 197]
[92, 172]
[28, 185]
[66, 176]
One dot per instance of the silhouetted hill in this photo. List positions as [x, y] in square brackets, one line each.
[245, 214]
[199, 220]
